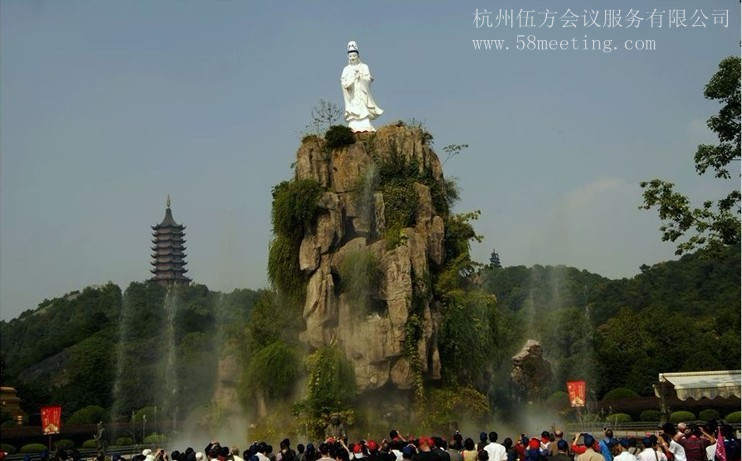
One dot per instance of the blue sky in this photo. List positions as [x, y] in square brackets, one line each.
[106, 107]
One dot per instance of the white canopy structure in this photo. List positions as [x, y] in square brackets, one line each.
[699, 384]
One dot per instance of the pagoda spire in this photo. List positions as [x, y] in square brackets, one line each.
[168, 257]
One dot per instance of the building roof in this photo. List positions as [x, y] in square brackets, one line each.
[168, 221]
[698, 384]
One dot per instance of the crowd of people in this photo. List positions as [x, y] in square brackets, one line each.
[684, 442]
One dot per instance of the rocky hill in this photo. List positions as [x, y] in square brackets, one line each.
[365, 308]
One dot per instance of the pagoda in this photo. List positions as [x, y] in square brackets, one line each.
[168, 258]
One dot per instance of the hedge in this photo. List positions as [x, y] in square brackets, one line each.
[33, 448]
[682, 416]
[90, 444]
[709, 414]
[618, 418]
[733, 417]
[124, 441]
[154, 439]
[7, 448]
[650, 415]
[559, 400]
[64, 444]
[89, 415]
[619, 393]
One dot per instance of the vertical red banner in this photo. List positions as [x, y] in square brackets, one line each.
[576, 391]
[51, 419]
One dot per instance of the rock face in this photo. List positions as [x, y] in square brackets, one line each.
[531, 373]
[352, 220]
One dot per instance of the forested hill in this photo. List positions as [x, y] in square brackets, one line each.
[66, 350]
[674, 316]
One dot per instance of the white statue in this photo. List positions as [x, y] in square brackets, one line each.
[360, 107]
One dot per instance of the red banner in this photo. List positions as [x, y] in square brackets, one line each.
[576, 391]
[51, 420]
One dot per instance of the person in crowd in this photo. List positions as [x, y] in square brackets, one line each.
[534, 452]
[495, 451]
[622, 451]
[562, 451]
[651, 451]
[470, 450]
[440, 449]
[408, 452]
[454, 449]
[482, 441]
[545, 443]
[509, 450]
[425, 453]
[324, 451]
[589, 453]
[310, 454]
[285, 450]
[694, 441]
[558, 435]
[605, 445]
[668, 434]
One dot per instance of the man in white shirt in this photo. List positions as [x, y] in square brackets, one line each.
[650, 452]
[623, 451]
[495, 451]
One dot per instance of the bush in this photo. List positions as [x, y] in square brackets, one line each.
[650, 415]
[124, 441]
[295, 206]
[88, 415]
[331, 384]
[360, 278]
[559, 400]
[7, 448]
[709, 414]
[682, 416]
[283, 266]
[8, 424]
[64, 444]
[154, 439]
[90, 444]
[619, 393]
[618, 418]
[273, 370]
[33, 448]
[339, 136]
[142, 413]
[733, 417]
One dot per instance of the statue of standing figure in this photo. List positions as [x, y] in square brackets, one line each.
[100, 440]
[360, 107]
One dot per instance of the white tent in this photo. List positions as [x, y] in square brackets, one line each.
[699, 384]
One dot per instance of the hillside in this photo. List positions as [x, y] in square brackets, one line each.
[673, 316]
[67, 350]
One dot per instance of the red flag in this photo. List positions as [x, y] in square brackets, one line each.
[576, 391]
[721, 451]
[51, 419]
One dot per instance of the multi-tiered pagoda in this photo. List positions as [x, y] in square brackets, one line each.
[168, 258]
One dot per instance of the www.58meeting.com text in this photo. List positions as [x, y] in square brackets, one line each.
[533, 43]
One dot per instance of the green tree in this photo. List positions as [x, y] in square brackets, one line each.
[495, 260]
[715, 223]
